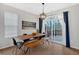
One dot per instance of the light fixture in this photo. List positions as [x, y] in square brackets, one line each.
[43, 15]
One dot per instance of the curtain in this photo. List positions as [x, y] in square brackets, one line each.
[40, 25]
[67, 29]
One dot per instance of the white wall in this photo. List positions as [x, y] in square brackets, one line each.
[7, 42]
[73, 24]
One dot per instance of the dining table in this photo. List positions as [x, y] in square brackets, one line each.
[30, 37]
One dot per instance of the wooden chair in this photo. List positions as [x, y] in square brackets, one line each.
[32, 44]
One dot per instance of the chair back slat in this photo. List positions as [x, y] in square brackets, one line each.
[14, 41]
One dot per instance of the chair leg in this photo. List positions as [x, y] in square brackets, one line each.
[29, 51]
[21, 46]
[26, 50]
[14, 51]
[46, 43]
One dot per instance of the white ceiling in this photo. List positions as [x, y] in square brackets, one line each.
[36, 8]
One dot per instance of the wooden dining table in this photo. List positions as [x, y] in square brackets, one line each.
[29, 36]
[26, 38]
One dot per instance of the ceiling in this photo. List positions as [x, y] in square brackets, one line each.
[36, 8]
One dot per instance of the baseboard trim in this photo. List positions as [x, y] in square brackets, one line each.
[6, 48]
[74, 49]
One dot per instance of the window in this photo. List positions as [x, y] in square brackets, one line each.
[11, 24]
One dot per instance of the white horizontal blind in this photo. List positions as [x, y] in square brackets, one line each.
[11, 23]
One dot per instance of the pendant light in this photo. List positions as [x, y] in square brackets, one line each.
[43, 15]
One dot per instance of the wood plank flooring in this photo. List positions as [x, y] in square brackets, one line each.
[47, 49]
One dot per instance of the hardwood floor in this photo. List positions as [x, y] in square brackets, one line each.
[47, 49]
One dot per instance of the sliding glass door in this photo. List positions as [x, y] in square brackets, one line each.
[54, 27]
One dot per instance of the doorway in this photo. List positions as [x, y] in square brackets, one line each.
[54, 27]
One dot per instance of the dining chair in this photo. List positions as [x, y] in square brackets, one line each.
[32, 44]
[17, 45]
[47, 41]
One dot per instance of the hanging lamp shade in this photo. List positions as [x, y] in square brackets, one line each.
[43, 15]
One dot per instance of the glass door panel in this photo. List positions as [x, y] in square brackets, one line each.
[55, 28]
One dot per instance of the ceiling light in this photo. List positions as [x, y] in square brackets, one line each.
[43, 15]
